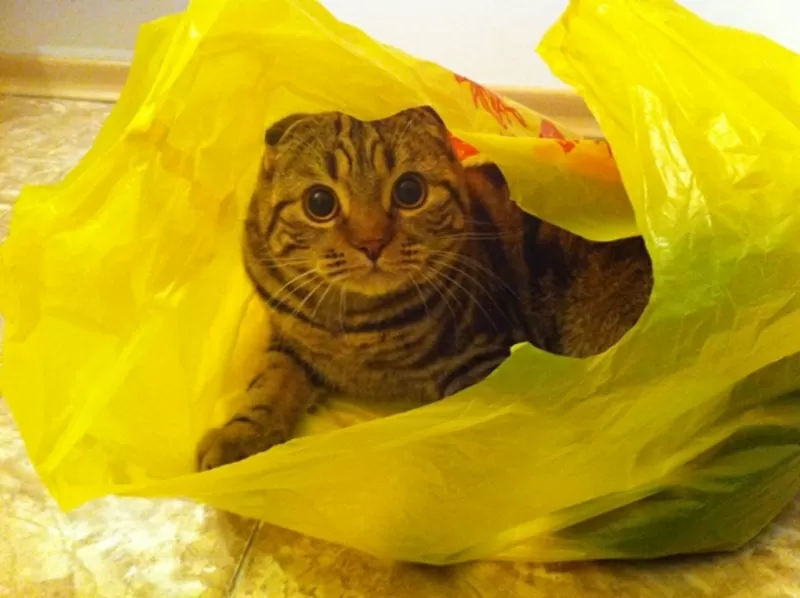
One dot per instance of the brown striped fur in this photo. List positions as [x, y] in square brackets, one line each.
[458, 281]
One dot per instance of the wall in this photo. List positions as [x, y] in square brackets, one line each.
[491, 41]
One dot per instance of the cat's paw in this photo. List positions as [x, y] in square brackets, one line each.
[235, 441]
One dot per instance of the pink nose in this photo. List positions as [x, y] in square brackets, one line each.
[372, 248]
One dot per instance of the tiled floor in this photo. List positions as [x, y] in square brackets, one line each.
[173, 549]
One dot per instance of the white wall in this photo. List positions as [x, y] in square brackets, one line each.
[492, 41]
[103, 29]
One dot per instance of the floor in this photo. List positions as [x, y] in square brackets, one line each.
[174, 549]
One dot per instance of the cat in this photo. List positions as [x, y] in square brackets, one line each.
[391, 270]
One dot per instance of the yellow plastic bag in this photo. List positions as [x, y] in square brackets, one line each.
[129, 316]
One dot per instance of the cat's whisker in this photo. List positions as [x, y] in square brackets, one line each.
[282, 261]
[342, 273]
[475, 236]
[342, 310]
[431, 280]
[297, 287]
[321, 300]
[474, 299]
[471, 262]
[421, 296]
[477, 283]
[307, 297]
[277, 263]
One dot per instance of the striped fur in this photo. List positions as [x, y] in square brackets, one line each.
[460, 279]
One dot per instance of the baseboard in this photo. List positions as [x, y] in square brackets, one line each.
[99, 80]
[72, 78]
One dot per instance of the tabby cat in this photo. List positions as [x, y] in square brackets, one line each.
[391, 270]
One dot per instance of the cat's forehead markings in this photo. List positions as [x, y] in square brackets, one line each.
[348, 123]
[344, 158]
[332, 165]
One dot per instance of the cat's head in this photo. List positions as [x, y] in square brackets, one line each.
[371, 207]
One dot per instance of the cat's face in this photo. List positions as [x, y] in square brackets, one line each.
[369, 207]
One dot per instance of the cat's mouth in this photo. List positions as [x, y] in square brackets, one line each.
[372, 271]
[374, 279]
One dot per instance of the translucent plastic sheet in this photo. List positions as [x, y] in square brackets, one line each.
[129, 317]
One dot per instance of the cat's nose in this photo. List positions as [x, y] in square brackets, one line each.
[372, 248]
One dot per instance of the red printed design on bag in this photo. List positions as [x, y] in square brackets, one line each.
[493, 104]
[549, 131]
[462, 149]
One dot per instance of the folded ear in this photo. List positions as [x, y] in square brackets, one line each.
[485, 178]
[277, 131]
[424, 114]
[429, 113]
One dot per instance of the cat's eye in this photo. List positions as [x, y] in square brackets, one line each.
[409, 191]
[321, 204]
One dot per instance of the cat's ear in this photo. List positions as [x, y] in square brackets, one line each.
[277, 131]
[425, 114]
[430, 114]
[486, 178]
[489, 173]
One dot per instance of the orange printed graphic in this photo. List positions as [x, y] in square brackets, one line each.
[493, 104]
[462, 149]
[549, 131]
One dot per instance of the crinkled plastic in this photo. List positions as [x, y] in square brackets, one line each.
[129, 317]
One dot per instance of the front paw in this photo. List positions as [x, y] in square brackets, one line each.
[235, 441]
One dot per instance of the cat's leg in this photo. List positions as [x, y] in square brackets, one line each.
[266, 414]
